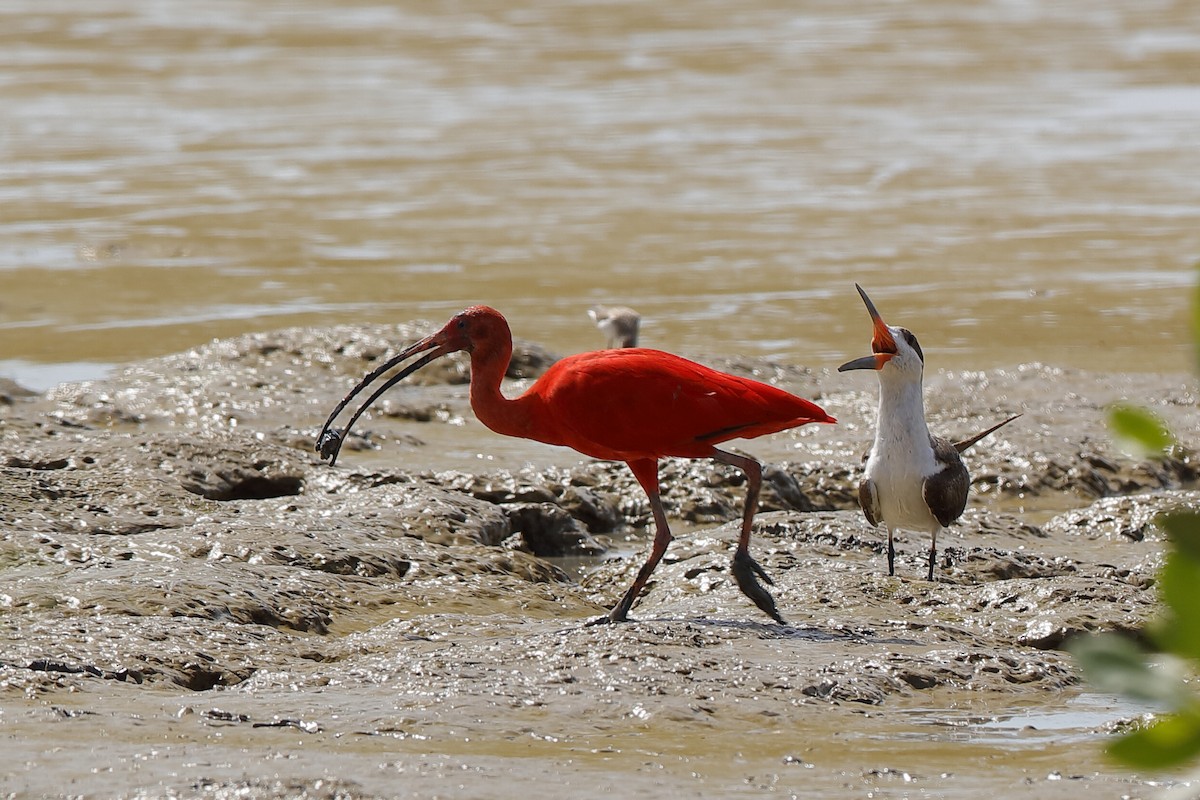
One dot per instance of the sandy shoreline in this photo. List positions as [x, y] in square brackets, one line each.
[194, 605]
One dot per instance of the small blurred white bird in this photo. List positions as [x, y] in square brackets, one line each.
[618, 323]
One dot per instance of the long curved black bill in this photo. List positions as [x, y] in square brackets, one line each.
[329, 440]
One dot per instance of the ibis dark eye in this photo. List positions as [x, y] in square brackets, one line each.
[913, 343]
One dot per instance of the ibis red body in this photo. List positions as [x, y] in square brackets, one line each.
[631, 404]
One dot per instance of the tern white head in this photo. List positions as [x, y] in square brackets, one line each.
[913, 480]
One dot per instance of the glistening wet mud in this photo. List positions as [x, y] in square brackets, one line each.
[194, 605]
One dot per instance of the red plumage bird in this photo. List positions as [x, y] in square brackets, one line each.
[633, 405]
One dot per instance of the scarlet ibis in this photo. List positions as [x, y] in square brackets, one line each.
[633, 404]
[914, 480]
[618, 323]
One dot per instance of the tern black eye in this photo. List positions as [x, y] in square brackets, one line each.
[913, 343]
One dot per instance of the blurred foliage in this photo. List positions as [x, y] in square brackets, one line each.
[1114, 663]
[1139, 431]
[1157, 674]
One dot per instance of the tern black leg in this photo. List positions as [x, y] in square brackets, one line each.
[932, 554]
[891, 554]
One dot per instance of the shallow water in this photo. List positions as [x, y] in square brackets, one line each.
[1011, 181]
[803, 759]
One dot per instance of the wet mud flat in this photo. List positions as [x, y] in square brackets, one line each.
[193, 605]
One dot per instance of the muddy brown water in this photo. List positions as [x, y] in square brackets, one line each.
[192, 606]
[1013, 182]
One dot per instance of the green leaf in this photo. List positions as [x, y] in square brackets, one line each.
[1183, 531]
[1179, 583]
[1171, 740]
[1115, 664]
[1139, 431]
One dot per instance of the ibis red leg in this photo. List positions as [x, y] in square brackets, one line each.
[744, 567]
[646, 472]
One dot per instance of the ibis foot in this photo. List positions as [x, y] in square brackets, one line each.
[611, 618]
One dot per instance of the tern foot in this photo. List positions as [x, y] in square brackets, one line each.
[744, 570]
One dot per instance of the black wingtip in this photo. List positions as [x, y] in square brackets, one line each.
[966, 443]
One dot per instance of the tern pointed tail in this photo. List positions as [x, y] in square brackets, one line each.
[966, 443]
